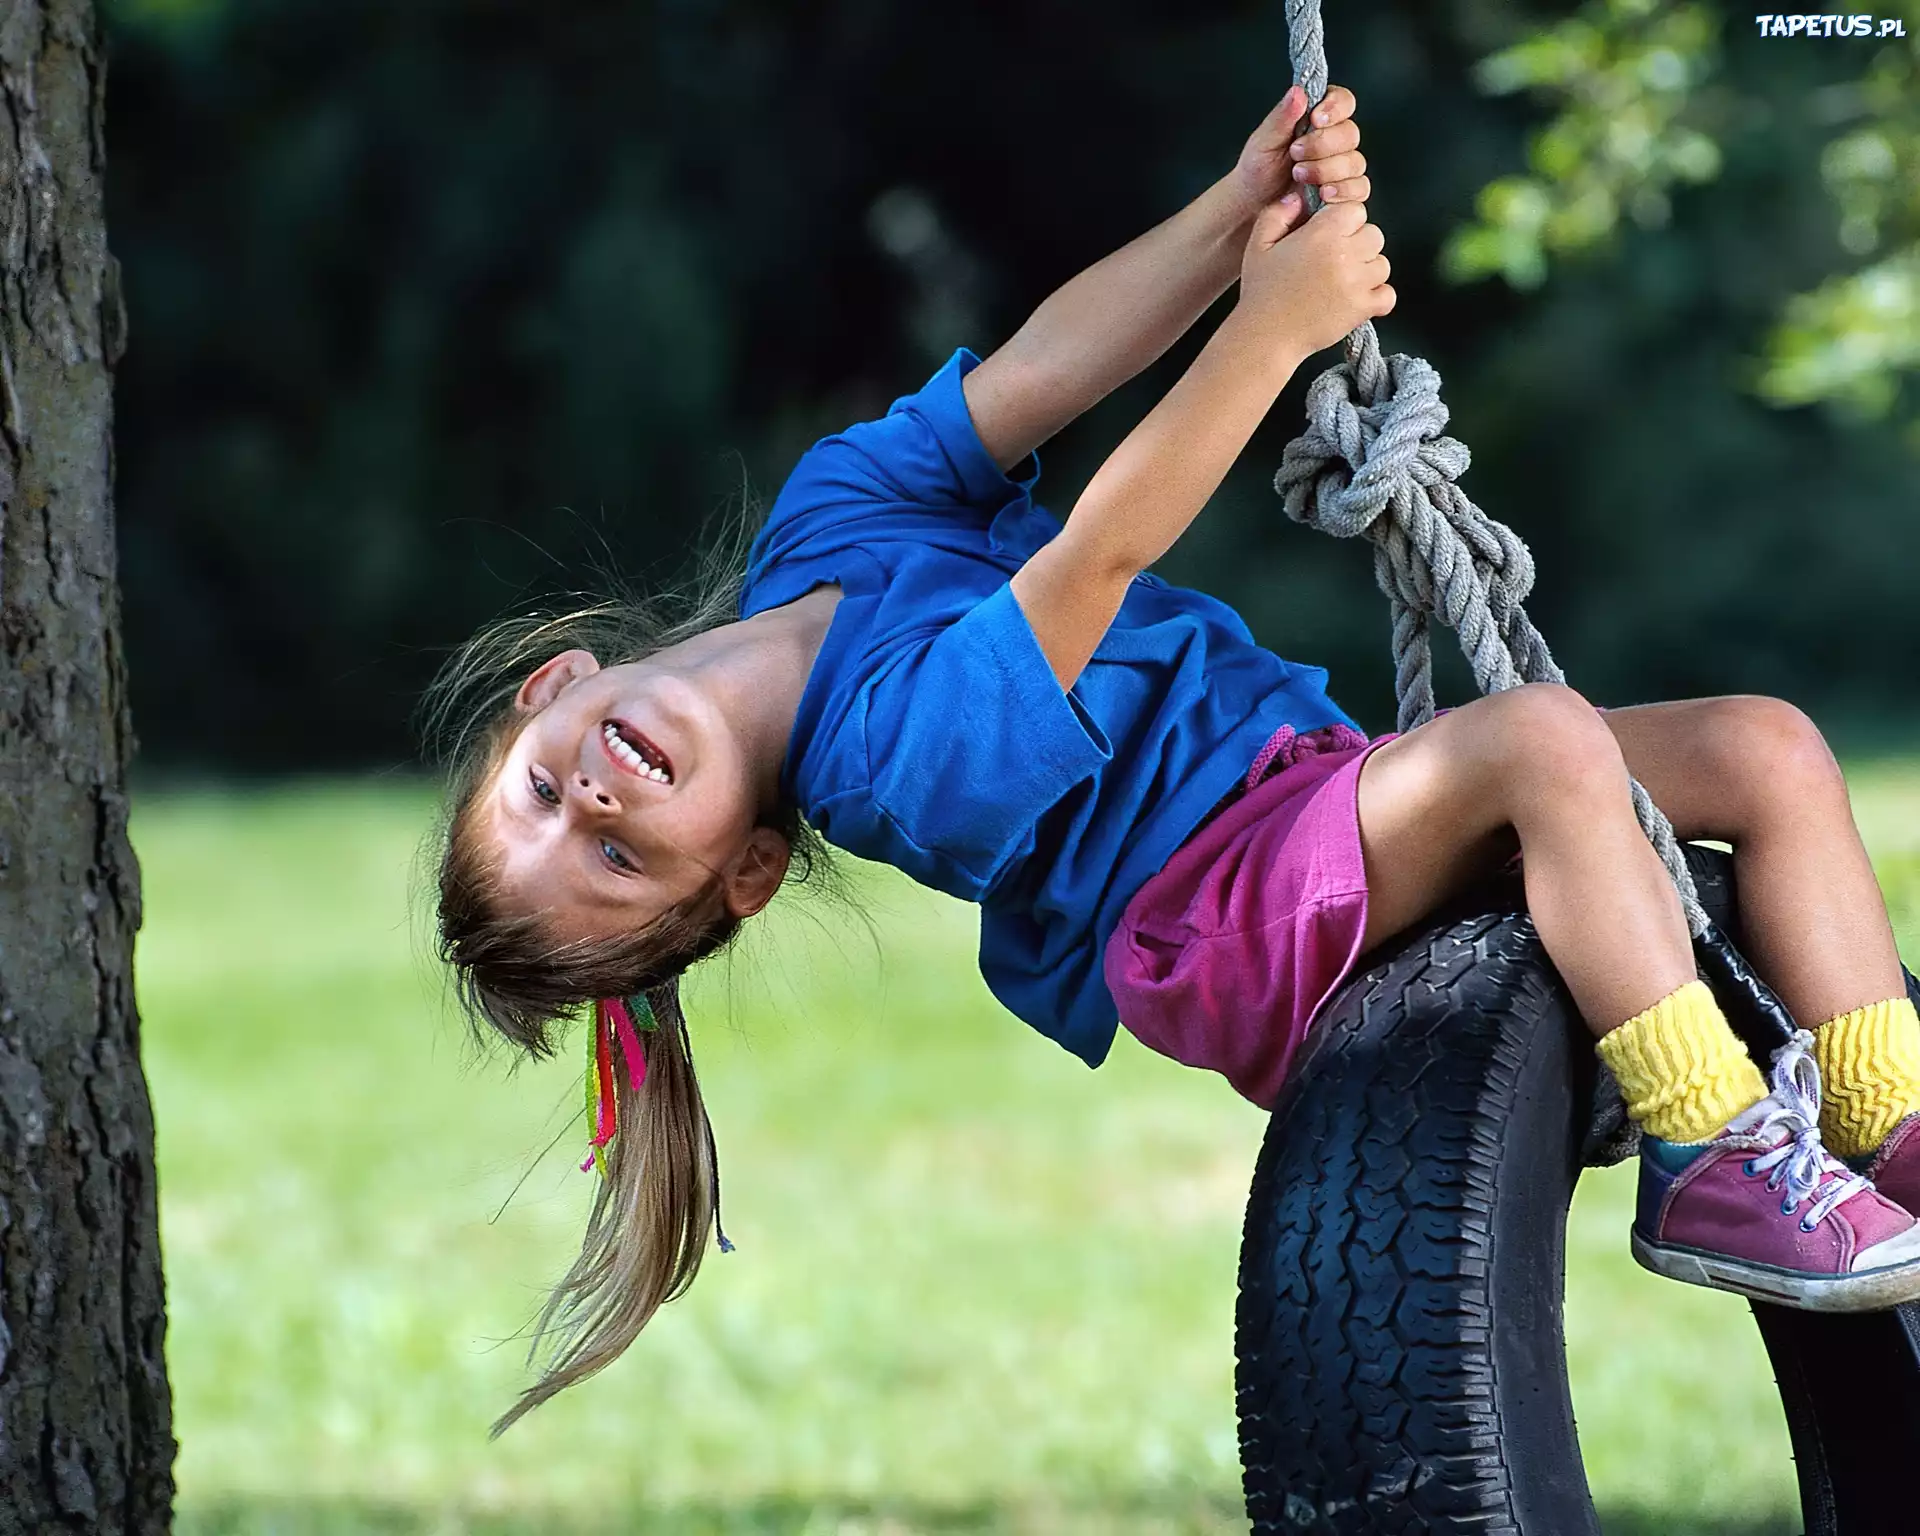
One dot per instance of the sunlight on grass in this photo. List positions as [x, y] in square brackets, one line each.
[979, 1288]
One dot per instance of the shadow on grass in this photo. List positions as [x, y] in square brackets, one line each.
[1142, 1514]
[1652, 1522]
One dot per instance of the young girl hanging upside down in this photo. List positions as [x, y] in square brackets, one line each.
[1165, 825]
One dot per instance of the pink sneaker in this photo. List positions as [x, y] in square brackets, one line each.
[1895, 1166]
[1765, 1210]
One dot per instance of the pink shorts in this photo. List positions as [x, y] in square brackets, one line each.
[1223, 958]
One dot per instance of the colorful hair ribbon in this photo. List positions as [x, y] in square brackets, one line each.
[611, 1017]
[623, 1019]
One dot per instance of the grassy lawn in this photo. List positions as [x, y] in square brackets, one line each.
[978, 1288]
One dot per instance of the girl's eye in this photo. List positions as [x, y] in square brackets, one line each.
[543, 790]
[614, 856]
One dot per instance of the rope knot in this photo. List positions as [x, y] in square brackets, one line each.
[1366, 449]
[1375, 462]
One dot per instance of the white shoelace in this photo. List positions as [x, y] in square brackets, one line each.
[1801, 1162]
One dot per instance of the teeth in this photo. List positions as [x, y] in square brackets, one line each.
[617, 745]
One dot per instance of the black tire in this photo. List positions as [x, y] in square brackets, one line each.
[1402, 1359]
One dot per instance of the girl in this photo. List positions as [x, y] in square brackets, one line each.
[1163, 823]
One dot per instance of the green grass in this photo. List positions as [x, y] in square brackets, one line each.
[978, 1287]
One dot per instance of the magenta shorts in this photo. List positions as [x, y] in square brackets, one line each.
[1223, 958]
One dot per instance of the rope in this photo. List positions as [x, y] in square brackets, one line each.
[1373, 464]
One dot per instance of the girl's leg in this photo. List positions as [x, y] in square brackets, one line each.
[1754, 772]
[1534, 768]
[1537, 767]
[1734, 1189]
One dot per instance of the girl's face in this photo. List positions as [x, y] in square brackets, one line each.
[624, 794]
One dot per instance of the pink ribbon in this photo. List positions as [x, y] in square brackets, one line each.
[629, 1042]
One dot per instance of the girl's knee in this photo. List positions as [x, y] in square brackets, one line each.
[1762, 748]
[1552, 728]
[1552, 739]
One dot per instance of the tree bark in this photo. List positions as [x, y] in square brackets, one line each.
[86, 1440]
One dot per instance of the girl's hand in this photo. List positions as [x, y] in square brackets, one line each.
[1306, 292]
[1275, 165]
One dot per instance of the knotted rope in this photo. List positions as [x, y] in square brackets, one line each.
[1373, 464]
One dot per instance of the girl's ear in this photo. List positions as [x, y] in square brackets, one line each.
[544, 683]
[756, 875]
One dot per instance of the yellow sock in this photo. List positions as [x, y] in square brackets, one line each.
[1869, 1064]
[1683, 1072]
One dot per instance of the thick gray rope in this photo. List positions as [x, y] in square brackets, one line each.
[1373, 464]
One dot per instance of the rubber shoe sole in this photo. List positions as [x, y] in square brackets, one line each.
[1872, 1290]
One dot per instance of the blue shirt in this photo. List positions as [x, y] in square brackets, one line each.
[933, 736]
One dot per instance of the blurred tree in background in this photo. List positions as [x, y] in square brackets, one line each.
[433, 304]
[86, 1413]
[1644, 108]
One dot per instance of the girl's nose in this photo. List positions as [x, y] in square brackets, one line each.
[596, 794]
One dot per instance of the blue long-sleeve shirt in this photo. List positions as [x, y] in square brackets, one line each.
[932, 734]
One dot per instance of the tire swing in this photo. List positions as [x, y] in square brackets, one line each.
[1401, 1351]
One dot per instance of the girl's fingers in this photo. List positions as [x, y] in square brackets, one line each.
[1333, 168]
[1271, 224]
[1340, 139]
[1355, 191]
[1335, 107]
[1280, 123]
[1346, 219]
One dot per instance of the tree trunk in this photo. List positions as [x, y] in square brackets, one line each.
[86, 1440]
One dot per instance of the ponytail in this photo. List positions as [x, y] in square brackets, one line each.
[658, 1198]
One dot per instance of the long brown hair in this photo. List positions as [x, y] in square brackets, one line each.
[653, 1213]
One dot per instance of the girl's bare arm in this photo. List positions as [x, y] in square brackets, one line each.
[1299, 293]
[1122, 313]
[1106, 325]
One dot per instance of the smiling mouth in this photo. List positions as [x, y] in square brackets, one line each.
[633, 752]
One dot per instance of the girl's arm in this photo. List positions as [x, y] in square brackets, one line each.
[1298, 293]
[1115, 318]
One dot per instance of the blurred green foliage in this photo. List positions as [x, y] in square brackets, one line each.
[1643, 104]
[1852, 338]
[433, 305]
[978, 1288]
[1623, 73]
